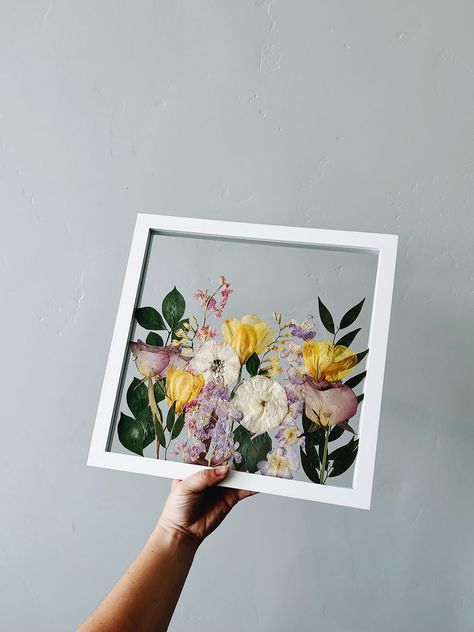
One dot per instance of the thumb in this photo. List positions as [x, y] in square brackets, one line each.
[204, 478]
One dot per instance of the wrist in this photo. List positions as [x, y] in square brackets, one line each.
[174, 539]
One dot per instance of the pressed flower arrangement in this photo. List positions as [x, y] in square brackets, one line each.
[269, 398]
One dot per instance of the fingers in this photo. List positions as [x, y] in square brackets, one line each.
[205, 478]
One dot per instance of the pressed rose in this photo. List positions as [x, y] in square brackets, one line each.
[328, 403]
[262, 402]
[326, 361]
[182, 387]
[248, 335]
[153, 361]
[217, 362]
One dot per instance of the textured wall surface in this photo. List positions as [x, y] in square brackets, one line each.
[350, 115]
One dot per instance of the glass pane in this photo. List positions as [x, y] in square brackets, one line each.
[242, 375]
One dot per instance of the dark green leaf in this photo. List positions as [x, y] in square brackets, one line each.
[310, 462]
[145, 419]
[360, 397]
[159, 390]
[178, 426]
[170, 417]
[149, 318]
[325, 316]
[344, 450]
[344, 457]
[361, 356]
[335, 433]
[350, 316]
[348, 338]
[257, 450]
[353, 381]
[173, 307]
[253, 364]
[130, 434]
[160, 433]
[137, 396]
[242, 436]
[154, 339]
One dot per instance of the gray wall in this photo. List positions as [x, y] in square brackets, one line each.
[351, 115]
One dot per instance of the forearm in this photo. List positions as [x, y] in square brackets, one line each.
[145, 597]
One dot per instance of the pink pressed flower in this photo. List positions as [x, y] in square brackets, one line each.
[206, 332]
[328, 403]
[153, 361]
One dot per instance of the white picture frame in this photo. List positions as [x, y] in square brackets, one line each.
[385, 245]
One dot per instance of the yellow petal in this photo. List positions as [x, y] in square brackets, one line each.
[326, 361]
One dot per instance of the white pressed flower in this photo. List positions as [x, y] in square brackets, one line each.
[218, 362]
[280, 462]
[263, 403]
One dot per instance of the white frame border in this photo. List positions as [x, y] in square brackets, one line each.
[386, 245]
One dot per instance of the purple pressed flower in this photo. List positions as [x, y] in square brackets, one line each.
[208, 423]
[304, 330]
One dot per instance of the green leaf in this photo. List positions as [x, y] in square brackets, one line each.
[253, 364]
[130, 434]
[348, 338]
[343, 457]
[178, 426]
[159, 389]
[145, 419]
[344, 450]
[257, 450]
[360, 397]
[353, 381]
[310, 461]
[154, 339]
[173, 307]
[137, 396]
[361, 356]
[335, 433]
[149, 318]
[253, 449]
[350, 316]
[170, 417]
[242, 436]
[325, 316]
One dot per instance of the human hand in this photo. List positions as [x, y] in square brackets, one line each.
[195, 506]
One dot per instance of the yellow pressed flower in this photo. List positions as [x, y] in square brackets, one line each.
[182, 387]
[248, 335]
[326, 361]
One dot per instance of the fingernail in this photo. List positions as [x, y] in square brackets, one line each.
[220, 470]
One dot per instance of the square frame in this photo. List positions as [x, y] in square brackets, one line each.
[359, 495]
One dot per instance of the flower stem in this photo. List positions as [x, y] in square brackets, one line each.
[155, 413]
[325, 454]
